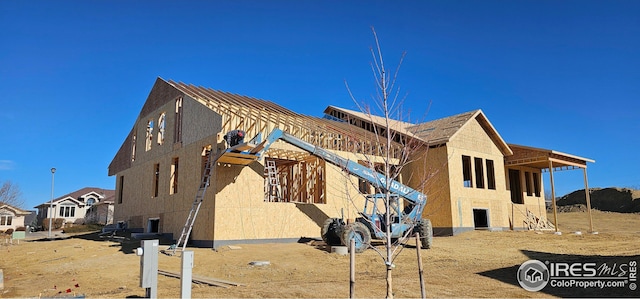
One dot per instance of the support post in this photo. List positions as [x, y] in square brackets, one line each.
[186, 274]
[352, 267]
[588, 199]
[423, 293]
[553, 197]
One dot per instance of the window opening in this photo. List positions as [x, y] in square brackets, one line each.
[153, 225]
[479, 173]
[174, 176]
[156, 179]
[133, 148]
[480, 218]
[149, 139]
[527, 183]
[120, 190]
[161, 125]
[491, 175]
[177, 129]
[536, 183]
[515, 186]
[466, 171]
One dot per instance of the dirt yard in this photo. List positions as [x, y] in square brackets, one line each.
[473, 264]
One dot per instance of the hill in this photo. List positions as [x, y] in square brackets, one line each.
[621, 200]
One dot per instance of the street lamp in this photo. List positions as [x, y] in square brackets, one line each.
[53, 170]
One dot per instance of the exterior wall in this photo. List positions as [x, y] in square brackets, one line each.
[79, 212]
[534, 204]
[242, 214]
[160, 94]
[135, 202]
[429, 172]
[16, 220]
[233, 210]
[472, 140]
[100, 213]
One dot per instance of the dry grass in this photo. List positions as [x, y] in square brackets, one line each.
[474, 264]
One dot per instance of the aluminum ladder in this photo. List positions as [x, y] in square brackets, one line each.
[273, 182]
[195, 208]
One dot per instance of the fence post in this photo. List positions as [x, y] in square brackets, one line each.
[420, 270]
[352, 267]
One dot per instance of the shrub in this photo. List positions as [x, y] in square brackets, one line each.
[9, 231]
[82, 228]
[56, 223]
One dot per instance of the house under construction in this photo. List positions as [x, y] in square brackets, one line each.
[472, 177]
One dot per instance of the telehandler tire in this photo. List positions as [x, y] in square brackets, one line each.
[330, 231]
[426, 233]
[360, 233]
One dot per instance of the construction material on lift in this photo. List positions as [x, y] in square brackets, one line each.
[372, 221]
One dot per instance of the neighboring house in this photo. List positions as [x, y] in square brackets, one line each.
[465, 163]
[11, 217]
[102, 212]
[74, 207]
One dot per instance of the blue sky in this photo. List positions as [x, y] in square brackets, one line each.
[561, 75]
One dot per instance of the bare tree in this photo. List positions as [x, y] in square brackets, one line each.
[388, 102]
[11, 194]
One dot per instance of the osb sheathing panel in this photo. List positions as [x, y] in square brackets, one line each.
[234, 206]
[138, 188]
[160, 95]
[242, 213]
[429, 172]
[138, 205]
[472, 140]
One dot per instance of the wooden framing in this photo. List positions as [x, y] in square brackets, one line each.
[236, 209]
[256, 116]
[550, 161]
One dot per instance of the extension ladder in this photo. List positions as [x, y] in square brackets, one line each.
[273, 182]
[191, 219]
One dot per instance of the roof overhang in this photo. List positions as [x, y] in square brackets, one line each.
[544, 158]
[92, 193]
[16, 211]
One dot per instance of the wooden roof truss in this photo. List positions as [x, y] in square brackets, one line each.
[255, 116]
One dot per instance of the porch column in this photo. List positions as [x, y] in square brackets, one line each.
[588, 198]
[553, 196]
